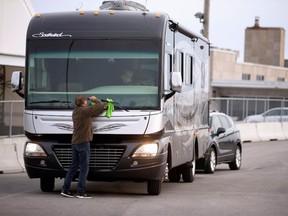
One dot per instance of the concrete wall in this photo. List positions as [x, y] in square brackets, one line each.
[15, 16]
[11, 154]
[264, 131]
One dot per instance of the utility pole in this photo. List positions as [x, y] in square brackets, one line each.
[206, 18]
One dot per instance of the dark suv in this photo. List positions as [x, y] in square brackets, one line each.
[224, 144]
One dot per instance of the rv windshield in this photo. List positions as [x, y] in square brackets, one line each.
[125, 71]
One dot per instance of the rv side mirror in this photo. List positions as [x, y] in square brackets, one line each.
[176, 81]
[16, 81]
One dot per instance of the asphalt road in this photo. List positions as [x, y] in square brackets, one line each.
[259, 188]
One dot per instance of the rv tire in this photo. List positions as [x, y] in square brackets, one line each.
[154, 187]
[47, 184]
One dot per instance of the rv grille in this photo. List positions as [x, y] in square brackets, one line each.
[100, 157]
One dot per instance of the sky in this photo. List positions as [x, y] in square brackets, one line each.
[227, 23]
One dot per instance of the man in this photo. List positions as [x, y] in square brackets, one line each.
[82, 135]
[127, 77]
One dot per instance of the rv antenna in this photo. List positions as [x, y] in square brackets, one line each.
[79, 6]
[145, 6]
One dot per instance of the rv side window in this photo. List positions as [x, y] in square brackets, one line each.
[180, 62]
[189, 70]
[168, 70]
[170, 63]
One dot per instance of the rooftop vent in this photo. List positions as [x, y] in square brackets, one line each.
[122, 5]
[257, 25]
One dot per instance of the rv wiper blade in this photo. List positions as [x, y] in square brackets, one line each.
[116, 105]
[121, 108]
[51, 101]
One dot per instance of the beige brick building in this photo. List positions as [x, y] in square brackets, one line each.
[262, 75]
[232, 79]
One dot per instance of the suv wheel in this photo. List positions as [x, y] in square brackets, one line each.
[210, 164]
[236, 163]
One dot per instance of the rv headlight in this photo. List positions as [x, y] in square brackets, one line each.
[146, 150]
[34, 150]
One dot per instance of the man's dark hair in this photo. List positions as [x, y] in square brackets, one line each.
[79, 100]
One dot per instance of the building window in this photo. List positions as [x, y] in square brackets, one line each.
[260, 78]
[281, 79]
[245, 76]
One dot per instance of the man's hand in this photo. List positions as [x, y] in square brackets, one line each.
[93, 99]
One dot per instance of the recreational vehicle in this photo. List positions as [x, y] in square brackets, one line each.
[159, 126]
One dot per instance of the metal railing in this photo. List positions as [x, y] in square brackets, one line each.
[240, 108]
[11, 111]
[11, 118]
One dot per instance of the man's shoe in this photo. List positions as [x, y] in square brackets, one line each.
[83, 196]
[67, 194]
